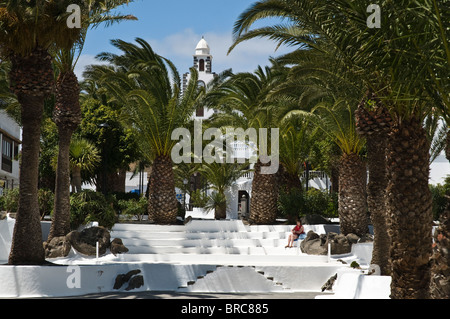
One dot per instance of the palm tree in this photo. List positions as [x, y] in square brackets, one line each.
[28, 30]
[220, 177]
[406, 67]
[241, 102]
[150, 86]
[83, 157]
[336, 121]
[67, 112]
[296, 138]
[374, 123]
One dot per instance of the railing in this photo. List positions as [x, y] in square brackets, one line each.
[314, 174]
[248, 175]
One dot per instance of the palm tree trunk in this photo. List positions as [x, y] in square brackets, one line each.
[27, 245]
[220, 212]
[162, 202]
[288, 181]
[264, 197]
[31, 79]
[409, 204]
[352, 195]
[76, 178]
[376, 190]
[61, 210]
[67, 116]
[374, 124]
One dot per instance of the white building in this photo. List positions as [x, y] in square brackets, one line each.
[9, 161]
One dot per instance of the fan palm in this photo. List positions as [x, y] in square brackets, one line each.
[150, 86]
[241, 102]
[337, 122]
[296, 137]
[83, 157]
[220, 177]
[67, 112]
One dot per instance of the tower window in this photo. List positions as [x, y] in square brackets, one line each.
[201, 65]
[200, 111]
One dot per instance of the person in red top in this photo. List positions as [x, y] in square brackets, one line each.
[296, 232]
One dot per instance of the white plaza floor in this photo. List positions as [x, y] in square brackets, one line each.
[203, 256]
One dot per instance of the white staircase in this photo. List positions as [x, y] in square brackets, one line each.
[205, 237]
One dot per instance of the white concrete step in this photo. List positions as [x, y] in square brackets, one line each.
[149, 227]
[180, 235]
[141, 249]
[233, 279]
[204, 242]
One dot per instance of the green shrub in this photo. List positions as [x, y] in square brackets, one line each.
[133, 208]
[439, 200]
[199, 198]
[297, 203]
[291, 204]
[11, 200]
[316, 202]
[88, 206]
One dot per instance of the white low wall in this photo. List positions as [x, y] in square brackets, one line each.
[38, 281]
[355, 285]
[6, 232]
[52, 281]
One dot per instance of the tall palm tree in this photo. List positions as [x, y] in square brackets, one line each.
[150, 87]
[67, 112]
[27, 30]
[406, 66]
[374, 123]
[336, 121]
[241, 102]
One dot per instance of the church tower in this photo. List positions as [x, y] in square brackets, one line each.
[203, 57]
[203, 64]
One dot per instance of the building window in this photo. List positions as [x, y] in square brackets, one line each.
[201, 65]
[200, 111]
[7, 154]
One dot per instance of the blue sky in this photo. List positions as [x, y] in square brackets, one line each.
[174, 27]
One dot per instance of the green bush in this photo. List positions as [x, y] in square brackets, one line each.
[291, 204]
[133, 208]
[88, 206]
[316, 202]
[11, 200]
[439, 201]
[199, 198]
[297, 203]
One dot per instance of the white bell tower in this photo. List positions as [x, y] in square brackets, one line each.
[203, 64]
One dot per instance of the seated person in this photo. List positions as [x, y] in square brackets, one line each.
[297, 232]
